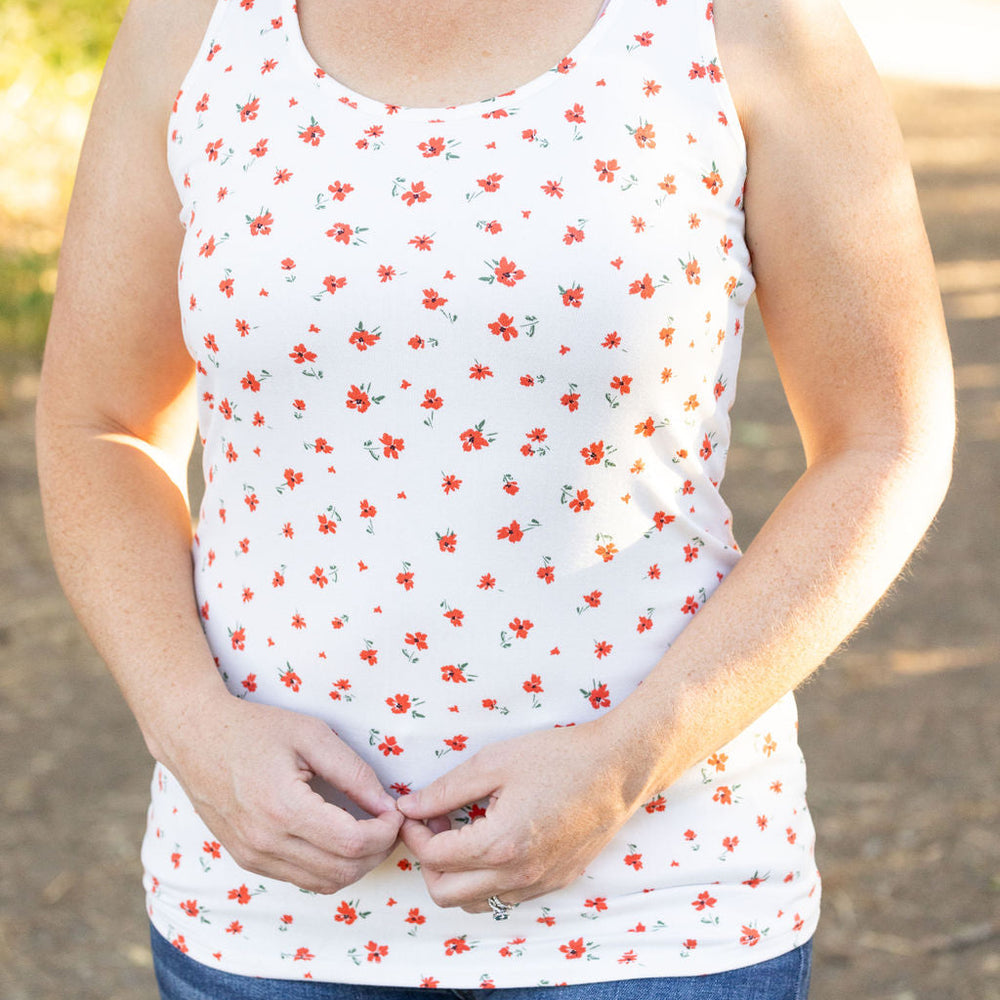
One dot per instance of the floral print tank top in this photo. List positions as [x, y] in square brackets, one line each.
[464, 377]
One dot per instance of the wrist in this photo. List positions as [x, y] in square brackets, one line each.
[176, 720]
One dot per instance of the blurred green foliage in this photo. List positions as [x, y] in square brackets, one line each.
[69, 35]
[51, 55]
[26, 280]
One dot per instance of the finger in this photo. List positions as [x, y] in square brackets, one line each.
[471, 890]
[310, 867]
[468, 782]
[335, 831]
[335, 762]
[458, 850]
[438, 824]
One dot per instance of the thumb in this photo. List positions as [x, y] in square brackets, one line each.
[337, 764]
[468, 782]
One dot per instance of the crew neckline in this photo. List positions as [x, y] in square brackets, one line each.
[483, 107]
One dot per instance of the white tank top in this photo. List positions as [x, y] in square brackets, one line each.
[464, 382]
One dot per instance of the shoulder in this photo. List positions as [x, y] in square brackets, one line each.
[153, 50]
[784, 55]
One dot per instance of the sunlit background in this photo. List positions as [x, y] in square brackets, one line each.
[901, 730]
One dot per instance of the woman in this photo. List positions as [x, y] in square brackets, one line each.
[470, 686]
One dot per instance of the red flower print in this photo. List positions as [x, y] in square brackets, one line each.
[690, 606]
[572, 296]
[418, 639]
[633, 860]
[390, 747]
[339, 190]
[391, 447]
[573, 235]
[300, 354]
[504, 327]
[432, 300]
[598, 696]
[723, 795]
[750, 936]
[643, 287]
[399, 703]
[241, 895]
[416, 195]
[581, 502]
[553, 189]
[473, 439]
[507, 272]
[606, 170]
[574, 948]
[457, 742]
[341, 233]
[261, 224]
[491, 182]
[645, 137]
[714, 183]
[456, 945]
[455, 616]
[520, 627]
[312, 133]
[575, 114]
[248, 111]
[453, 673]
[331, 283]
[260, 149]
[533, 685]
[376, 952]
[593, 453]
[190, 907]
[415, 916]
[432, 147]
[293, 478]
[512, 532]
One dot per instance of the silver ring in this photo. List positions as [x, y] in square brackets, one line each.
[501, 911]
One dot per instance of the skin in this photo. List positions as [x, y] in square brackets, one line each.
[846, 287]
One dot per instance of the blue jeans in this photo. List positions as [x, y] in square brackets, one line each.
[782, 978]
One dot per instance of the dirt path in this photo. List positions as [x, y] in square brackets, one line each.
[901, 730]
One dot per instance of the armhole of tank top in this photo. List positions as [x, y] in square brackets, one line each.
[174, 149]
[725, 97]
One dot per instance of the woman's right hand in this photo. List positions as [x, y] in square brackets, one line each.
[247, 770]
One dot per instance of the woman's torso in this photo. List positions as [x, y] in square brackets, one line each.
[464, 381]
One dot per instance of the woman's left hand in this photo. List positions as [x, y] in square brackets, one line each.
[556, 797]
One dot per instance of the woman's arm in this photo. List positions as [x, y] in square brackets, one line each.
[115, 429]
[848, 295]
